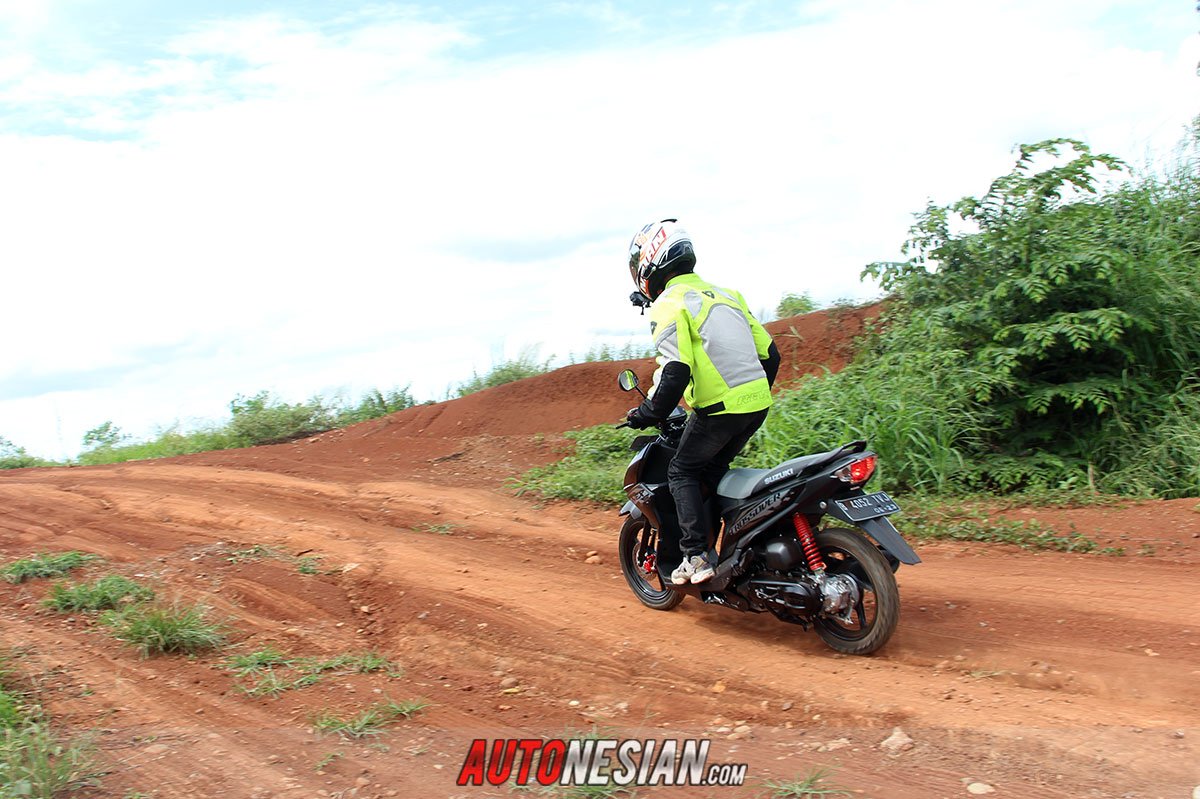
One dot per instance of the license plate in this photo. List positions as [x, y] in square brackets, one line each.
[868, 506]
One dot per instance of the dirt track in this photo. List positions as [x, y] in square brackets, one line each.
[1052, 675]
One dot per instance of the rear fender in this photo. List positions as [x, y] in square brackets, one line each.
[887, 536]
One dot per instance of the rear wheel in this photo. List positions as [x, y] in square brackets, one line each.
[638, 547]
[873, 619]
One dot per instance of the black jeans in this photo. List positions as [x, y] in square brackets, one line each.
[708, 445]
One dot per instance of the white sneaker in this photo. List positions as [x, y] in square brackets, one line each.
[701, 571]
[694, 569]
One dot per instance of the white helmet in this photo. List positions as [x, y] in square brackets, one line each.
[658, 251]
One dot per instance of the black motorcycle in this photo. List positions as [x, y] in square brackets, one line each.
[775, 551]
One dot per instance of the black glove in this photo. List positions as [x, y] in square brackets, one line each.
[639, 420]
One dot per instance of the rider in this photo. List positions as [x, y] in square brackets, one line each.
[712, 353]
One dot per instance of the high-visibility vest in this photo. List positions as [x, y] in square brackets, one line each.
[712, 331]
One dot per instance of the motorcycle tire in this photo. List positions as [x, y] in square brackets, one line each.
[878, 610]
[638, 539]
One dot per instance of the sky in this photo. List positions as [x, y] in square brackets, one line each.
[201, 200]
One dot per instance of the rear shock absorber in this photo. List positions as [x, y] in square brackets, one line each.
[811, 553]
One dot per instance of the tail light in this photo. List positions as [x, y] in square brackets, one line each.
[859, 471]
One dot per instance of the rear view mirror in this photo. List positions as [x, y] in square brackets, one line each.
[627, 380]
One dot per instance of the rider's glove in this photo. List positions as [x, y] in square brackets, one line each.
[638, 420]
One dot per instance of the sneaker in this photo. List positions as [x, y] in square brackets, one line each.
[694, 569]
[701, 569]
[683, 572]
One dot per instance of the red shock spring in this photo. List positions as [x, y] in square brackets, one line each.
[805, 534]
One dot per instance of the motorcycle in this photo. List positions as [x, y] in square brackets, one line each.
[775, 550]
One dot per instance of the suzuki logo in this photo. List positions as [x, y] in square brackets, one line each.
[774, 478]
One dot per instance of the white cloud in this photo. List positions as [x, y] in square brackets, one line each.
[316, 203]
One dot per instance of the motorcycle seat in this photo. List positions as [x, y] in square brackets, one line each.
[743, 483]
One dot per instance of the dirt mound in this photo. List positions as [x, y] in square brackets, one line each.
[586, 394]
[1047, 675]
[490, 436]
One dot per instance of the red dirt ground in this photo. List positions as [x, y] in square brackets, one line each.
[1040, 674]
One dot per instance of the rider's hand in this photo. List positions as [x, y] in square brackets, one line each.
[637, 420]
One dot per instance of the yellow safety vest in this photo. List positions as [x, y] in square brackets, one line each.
[712, 331]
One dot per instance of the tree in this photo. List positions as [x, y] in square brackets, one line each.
[104, 436]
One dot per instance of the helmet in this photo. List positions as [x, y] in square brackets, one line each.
[657, 252]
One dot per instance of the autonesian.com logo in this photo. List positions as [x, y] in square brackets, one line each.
[595, 761]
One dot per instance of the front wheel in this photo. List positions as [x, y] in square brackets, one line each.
[638, 547]
[873, 619]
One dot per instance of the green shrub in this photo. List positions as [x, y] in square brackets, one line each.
[14, 457]
[167, 443]
[1075, 313]
[263, 420]
[795, 305]
[374, 404]
[260, 419]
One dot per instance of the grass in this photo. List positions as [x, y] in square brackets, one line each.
[13, 712]
[592, 472]
[34, 762]
[326, 760]
[48, 564]
[254, 420]
[305, 564]
[369, 722]
[524, 365]
[811, 786]
[309, 564]
[257, 661]
[252, 554]
[962, 522]
[269, 672]
[271, 684]
[362, 663]
[440, 529]
[166, 629]
[110, 591]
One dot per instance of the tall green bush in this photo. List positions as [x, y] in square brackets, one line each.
[1077, 312]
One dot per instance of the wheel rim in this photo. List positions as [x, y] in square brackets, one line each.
[865, 612]
[642, 546]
